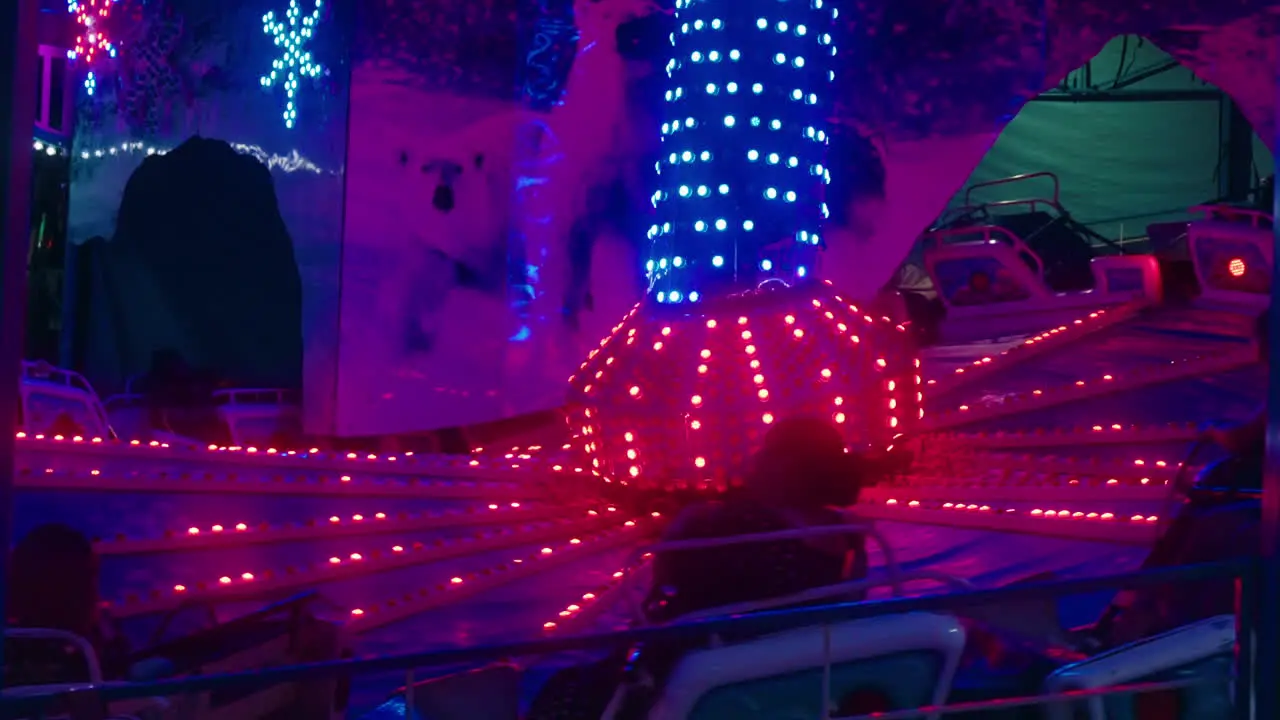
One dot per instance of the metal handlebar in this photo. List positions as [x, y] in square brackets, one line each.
[830, 592]
[1057, 186]
[863, 528]
[252, 396]
[62, 636]
[989, 233]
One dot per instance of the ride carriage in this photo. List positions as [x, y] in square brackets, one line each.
[1009, 267]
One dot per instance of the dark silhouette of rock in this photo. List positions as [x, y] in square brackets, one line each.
[202, 227]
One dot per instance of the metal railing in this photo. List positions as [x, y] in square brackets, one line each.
[698, 630]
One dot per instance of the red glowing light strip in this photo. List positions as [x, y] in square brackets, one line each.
[592, 604]
[250, 585]
[753, 363]
[1138, 471]
[464, 587]
[245, 534]
[1084, 389]
[1029, 493]
[1121, 530]
[1054, 338]
[693, 423]
[1113, 434]
[604, 344]
[400, 464]
[163, 481]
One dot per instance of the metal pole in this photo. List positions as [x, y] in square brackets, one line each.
[18, 92]
[1266, 666]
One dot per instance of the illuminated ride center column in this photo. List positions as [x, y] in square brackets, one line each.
[736, 332]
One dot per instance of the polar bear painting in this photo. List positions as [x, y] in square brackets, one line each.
[487, 246]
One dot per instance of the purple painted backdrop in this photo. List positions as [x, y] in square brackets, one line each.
[492, 179]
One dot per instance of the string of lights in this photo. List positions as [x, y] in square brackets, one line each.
[740, 184]
[291, 162]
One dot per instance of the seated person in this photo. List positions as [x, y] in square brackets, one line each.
[1197, 535]
[983, 290]
[796, 480]
[1017, 644]
[54, 585]
[1203, 533]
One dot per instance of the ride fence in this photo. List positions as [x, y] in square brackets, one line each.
[1240, 680]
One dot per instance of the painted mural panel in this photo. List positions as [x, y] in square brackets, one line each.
[206, 193]
[495, 193]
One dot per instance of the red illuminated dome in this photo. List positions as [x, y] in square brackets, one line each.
[1236, 267]
[681, 399]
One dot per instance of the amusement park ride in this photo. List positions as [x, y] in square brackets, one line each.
[1048, 432]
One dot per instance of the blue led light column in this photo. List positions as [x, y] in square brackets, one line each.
[744, 137]
[685, 387]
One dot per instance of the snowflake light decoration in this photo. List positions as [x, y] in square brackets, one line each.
[290, 35]
[91, 15]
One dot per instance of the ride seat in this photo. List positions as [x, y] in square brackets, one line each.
[1203, 650]
[1134, 276]
[876, 665]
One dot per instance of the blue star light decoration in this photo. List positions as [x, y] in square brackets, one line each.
[290, 35]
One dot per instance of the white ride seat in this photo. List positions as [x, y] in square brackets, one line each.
[1201, 650]
[258, 416]
[49, 393]
[1232, 251]
[907, 660]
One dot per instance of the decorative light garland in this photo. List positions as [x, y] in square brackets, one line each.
[90, 14]
[290, 35]
[291, 162]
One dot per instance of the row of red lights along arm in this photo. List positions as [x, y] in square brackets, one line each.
[240, 534]
[1000, 468]
[1125, 528]
[605, 342]
[371, 617]
[897, 394]
[251, 585]
[1086, 388]
[1077, 492]
[167, 481]
[597, 601]
[1051, 339]
[406, 463]
[1113, 434]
